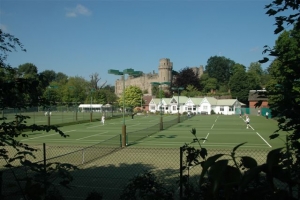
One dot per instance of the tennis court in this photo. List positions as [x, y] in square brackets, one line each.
[95, 132]
[220, 131]
[109, 172]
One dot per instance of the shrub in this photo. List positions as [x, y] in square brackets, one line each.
[146, 186]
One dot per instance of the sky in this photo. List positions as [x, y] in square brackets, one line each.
[81, 38]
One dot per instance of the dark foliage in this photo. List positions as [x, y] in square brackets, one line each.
[187, 77]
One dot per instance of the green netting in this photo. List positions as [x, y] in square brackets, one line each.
[135, 136]
[254, 111]
[85, 155]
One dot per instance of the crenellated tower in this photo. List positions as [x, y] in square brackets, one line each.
[165, 70]
[164, 74]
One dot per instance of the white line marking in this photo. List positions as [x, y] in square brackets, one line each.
[263, 139]
[205, 138]
[92, 135]
[46, 135]
[212, 126]
[216, 119]
[94, 126]
[134, 125]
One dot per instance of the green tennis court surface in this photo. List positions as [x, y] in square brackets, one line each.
[95, 132]
[107, 168]
[220, 131]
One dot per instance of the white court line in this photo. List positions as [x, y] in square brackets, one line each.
[205, 138]
[216, 119]
[135, 125]
[46, 135]
[259, 135]
[263, 139]
[94, 126]
[92, 135]
[212, 126]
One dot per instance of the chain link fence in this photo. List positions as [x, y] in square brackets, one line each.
[58, 114]
[108, 170]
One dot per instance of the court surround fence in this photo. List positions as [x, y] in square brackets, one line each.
[106, 167]
[59, 114]
[254, 111]
[111, 172]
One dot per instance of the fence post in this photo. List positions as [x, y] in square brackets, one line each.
[180, 178]
[45, 170]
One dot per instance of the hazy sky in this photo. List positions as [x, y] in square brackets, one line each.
[80, 38]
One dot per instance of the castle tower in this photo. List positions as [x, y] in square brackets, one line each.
[165, 70]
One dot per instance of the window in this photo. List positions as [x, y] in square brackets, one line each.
[189, 108]
[221, 108]
[230, 108]
[173, 107]
[152, 107]
[194, 108]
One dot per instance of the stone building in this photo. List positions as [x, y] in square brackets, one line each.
[164, 74]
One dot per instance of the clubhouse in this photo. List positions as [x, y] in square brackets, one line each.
[195, 105]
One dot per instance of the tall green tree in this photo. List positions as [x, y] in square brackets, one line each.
[28, 70]
[74, 92]
[237, 67]
[61, 78]
[239, 85]
[256, 68]
[256, 72]
[190, 91]
[220, 68]
[132, 97]
[208, 84]
[48, 76]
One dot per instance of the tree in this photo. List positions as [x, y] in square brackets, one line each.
[20, 93]
[277, 7]
[190, 91]
[187, 77]
[132, 97]
[283, 89]
[236, 67]
[220, 68]
[256, 68]
[253, 81]
[28, 70]
[48, 75]
[256, 72]
[239, 85]
[207, 83]
[94, 81]
[73, 93]
[61, 78]
[110, 95]
[45, 78]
